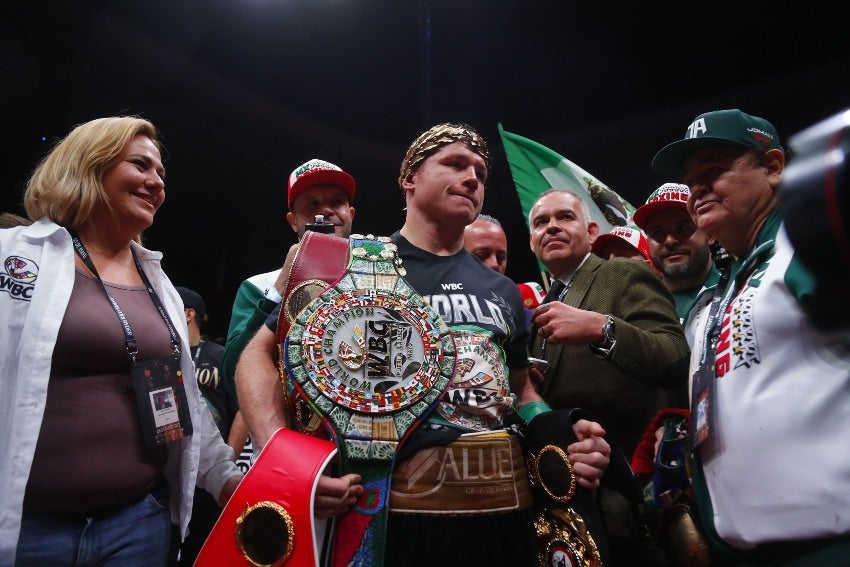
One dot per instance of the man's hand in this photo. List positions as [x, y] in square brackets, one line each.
[335, 496]
[590, 455]
[560, 323]
[536, 377]
[283, 276]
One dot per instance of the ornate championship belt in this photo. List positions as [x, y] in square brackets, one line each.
[570, 530]
[373, 359]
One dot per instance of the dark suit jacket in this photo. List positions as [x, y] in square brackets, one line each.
[651, 351]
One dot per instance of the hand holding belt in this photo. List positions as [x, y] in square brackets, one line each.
[373, 359]
[319, 261]
[567, 517]
[269, 518]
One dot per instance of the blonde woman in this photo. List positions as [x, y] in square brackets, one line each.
[101, 439]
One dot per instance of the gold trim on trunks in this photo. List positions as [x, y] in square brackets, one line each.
[480, 473]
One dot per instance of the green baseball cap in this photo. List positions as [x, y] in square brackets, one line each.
[719, 128]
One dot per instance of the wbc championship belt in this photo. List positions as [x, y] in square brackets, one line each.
[372, 358]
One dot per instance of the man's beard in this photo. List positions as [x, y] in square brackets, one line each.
[692, 267]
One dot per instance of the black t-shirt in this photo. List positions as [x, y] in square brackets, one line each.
[223, 406]
[485, 313]
[271, 320]
[463, 291]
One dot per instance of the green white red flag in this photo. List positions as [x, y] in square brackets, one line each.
[536, 168]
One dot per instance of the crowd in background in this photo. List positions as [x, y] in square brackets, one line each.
[680, 361]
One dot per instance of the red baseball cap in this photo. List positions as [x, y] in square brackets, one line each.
[668, 196]
[315, 172]
[532, 294]
[632, 236]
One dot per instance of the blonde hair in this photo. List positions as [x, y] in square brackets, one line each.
[9, 220]
[67, 185]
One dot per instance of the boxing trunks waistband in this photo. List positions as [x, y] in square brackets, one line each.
[479, 473]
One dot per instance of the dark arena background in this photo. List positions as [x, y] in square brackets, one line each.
[245, 90]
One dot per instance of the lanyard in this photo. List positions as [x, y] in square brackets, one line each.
[721, 300]
[703, 399]
[129, 337]
[198, 352]
[712, 327]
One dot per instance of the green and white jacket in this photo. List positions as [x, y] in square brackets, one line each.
[773, 467]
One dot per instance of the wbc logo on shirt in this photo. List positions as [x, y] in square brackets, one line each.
[18, 277]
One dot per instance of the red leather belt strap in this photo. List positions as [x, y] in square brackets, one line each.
[320, 261]
[282, 489]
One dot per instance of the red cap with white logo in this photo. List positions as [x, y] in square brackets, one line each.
[668, 196]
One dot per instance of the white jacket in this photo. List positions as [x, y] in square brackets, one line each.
[36, 280]
[773, 463]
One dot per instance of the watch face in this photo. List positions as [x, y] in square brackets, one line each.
[371, 350]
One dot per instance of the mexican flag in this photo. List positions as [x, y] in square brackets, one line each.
[535, 168]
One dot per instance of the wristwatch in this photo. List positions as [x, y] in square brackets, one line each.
[605, 348]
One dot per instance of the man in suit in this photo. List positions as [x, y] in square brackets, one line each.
[612, 336]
